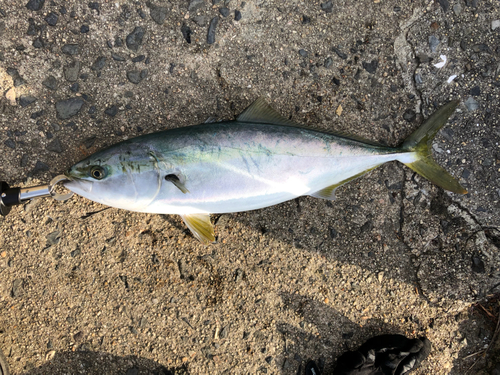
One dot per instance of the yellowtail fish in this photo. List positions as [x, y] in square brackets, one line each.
[258, 160]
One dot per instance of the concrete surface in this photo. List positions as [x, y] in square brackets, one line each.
[124, 293]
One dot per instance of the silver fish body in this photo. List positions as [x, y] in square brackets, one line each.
[226, 167]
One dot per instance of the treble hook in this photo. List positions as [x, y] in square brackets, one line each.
[14, 196]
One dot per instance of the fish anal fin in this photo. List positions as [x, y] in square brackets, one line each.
[262, 113]
[174, 179]
[329, 191]
[201, 227]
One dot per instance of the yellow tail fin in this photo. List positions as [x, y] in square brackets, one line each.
[420, 142]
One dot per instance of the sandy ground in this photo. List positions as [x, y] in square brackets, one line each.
[90, 290]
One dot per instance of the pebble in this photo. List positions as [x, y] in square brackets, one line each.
[495, 24]
[237, 15]
[327, 7]
[70, 49]
[38, 114]
[99, 63]
[200, 20]
[477, 264]
[410, 115]
[116, 57]
[138, 58]
[211, 30]
[72, 70]
[371, 67]
[475, 91]
[134, 76]
[51, 19]
[39, 167]
[135, 38]
[118, 42]
[10, 143]
[303, 52]
[481, 48]
[84, 29]
[444, 4]
[32, 27]
[38, 43]
[141, 13]
[157, 13]
[69, 107]
[224, 11]
[35, 4]
[457, 9]
[94, 5]
[75, 87]
[328, 62]
[433, 43]
[471, 104]
[111, 111]
[17, 288]
[55, 146]
[195, 5]
[18, 81]
[25, 100]
[339, 53]
[186, 33]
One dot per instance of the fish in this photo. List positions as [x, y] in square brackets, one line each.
[258, 160]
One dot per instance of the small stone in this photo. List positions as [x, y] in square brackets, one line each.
[433, 43]
[495, 24]
[38, 114]
[471, 104]
[51, 19]
[444, 4]
[17, 288]
[135, 38]
[328, 62]
[75, 87]
[303, 52]
[25, 100]
[117, 57]
[111, 111]
[481, 48]
[94, 5]
[35, 4]
[327, 6]
[141, 13]
[99, 63]
[211, 30]
[118, 42]
[457, 9]
[84, 29]
[10, 143]
[200, 20]
[466, 174]
[186, 33]
[38, 43]
[75, 253]
[134, 76]
[410, 115]
[138, 58]
[370, 67]
[195, 5]
[55, 146]
[157, 13]
[477, 264]
[224, 11]
[128, 94]
[72, 70]
[475, 91]
[39, 167]
[70, 49]
[69, 107]
[32, 27]
[237, 15]
[339, 53]
[305, 20]
[89, 142]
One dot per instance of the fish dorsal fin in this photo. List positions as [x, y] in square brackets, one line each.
[201, 227]
[262, 113]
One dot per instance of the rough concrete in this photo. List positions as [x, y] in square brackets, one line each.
[87, 290]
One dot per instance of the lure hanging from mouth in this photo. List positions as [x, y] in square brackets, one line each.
[258, 160]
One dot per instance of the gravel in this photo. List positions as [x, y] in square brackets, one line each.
[135, 39]
[68, 108]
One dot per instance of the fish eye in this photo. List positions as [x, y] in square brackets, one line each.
[97, 172]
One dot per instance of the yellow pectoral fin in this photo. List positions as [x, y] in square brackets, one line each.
[201, 227]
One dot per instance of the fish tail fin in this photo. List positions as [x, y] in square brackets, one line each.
[420, 142]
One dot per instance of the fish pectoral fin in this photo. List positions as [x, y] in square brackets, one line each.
[174, 179]
[262, 113]
[201, 227]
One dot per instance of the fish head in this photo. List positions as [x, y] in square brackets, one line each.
[122, 177]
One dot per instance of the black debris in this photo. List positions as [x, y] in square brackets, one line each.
[25, 100]
[135, 38]
[303, 52]
[138, 58]
[95, 6]
[117, 57]
[35, 4]
[186, 33]
[84, 29]
[51, 19]
[69, 107]
[36, 115]
[39, 167]
[55, 146]
[38, 43]
[339, 53]
[410, 115]
[370, 67]
[111, 111]
[305, 20]
[224, 11]
[475, 91]
[237, 15]
[211, 30]
[477, 264]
